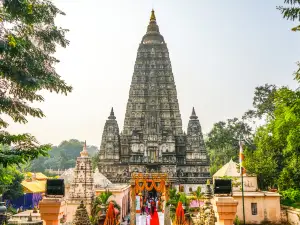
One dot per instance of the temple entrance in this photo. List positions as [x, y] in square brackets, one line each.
[147, 188]
[151, 194]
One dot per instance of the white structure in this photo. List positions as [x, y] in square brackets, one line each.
[259, 205]
[100, 180]
[231, 169]
[82, 186]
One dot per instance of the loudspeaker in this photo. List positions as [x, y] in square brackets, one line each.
[55, 187]
[222, 186]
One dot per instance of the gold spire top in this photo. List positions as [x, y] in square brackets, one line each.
[152, 17]
[84, 152]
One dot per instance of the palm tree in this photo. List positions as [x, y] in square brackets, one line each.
[100, 205]
[198, 194]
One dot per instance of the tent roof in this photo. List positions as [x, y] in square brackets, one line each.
[34, 186]
[37, 176]
[229, 169]
[40, 176]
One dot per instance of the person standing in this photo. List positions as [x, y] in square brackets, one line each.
[148, 219]
[149, 206]
[154, 217]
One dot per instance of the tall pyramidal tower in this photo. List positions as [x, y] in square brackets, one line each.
[152, 139]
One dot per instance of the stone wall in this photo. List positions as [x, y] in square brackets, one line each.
[193, 187]
[290, 215]
[267, 207]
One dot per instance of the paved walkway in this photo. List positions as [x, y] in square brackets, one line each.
[141, 219]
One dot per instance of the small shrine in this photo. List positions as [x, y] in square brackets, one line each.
[82, 186]
[81, 216]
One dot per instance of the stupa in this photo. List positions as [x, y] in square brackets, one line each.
[81, 216]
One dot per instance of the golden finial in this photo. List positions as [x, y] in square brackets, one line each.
[152, 17]
[84, 152]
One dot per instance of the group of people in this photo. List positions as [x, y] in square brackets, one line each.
[150, 208]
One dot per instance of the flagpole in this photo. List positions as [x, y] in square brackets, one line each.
[242, 177]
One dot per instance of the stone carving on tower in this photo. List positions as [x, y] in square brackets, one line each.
[82, 187]
[110, 145]
[152, 139]
[195, 149]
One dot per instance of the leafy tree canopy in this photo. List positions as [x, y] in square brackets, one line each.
[63, 156]
[276, 158]
[291, 11]
[223, 141]
[28, 39]
[263, 103]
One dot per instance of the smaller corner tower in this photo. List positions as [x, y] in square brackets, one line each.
[109, 153]
[110, 144]
[195, 150]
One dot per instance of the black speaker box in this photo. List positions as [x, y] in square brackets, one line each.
[55, 187]
[222, 186]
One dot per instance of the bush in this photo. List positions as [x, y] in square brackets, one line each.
[291, 197]
[236, 221]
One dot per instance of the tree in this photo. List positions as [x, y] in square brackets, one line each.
[15, 189]
[63, 156]
[10, 182]
[223, 141]
[29, 38]
[263, 102]
[292, 12]
[276, 158]
[198, 194]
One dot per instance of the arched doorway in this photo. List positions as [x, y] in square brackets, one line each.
[155, 183]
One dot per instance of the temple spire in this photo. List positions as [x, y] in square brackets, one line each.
[112, 114]
[193, 116]
[152, 17]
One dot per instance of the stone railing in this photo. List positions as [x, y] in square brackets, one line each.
[290, 215]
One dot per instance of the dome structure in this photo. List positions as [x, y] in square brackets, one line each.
[100, 180]
[68, 176]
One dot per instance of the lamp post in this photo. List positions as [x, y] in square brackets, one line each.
[242, 176]
[24, 201]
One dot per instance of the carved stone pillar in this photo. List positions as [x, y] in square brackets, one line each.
[225, 208]
[133, 202]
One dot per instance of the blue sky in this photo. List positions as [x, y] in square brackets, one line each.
[219, 50]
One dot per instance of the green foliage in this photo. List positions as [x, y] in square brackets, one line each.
[101, 203]
[10, 182]
[29, 39]
[15, 189]
[62, 156]
[223, 144]
[173, 197]
[95, 160]
[198, 194]
[291, 195]
[236, 221]
[263, 102]
[276, 158]
[292, 12]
